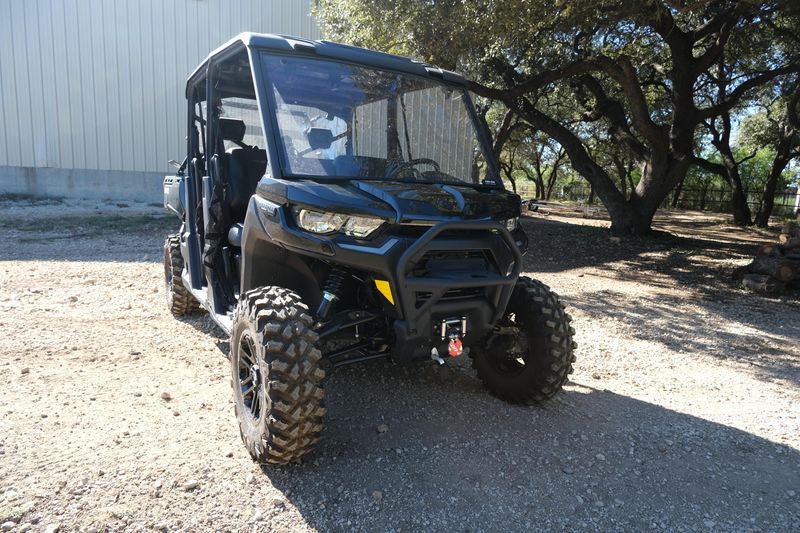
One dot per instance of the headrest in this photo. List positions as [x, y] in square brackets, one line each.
[231, 129]
[319, 138]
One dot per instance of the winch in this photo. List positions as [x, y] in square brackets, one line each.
[451, 330]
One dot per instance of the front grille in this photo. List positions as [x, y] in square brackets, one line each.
[451, 295]
[435, 263]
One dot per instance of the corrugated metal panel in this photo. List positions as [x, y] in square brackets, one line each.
[98, 84]
[450, 143]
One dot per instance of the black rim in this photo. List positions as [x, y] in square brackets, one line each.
[508, 353]
[249, 376]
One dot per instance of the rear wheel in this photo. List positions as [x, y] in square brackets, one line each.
[529, 356]
[276, 378]
[179, 300]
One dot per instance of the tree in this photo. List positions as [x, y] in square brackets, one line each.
[636, 67]
[531, 154]
[775, 126]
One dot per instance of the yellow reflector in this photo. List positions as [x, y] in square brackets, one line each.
[385, 289]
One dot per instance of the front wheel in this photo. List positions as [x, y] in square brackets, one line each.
[528, 357]
[277, 392]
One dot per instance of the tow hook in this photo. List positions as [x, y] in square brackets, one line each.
[435, 356]
[454, 349]
[452, 330]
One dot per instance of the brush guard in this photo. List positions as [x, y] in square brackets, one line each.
[423, 324]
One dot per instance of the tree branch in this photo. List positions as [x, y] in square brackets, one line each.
[547, 77]
[746, 158]
[503, 133]
[714, 168]
[794, 108]
[716, 23]
[624, 73]
[664, 24]
[727, 21]
[737, 94]
[615, 113]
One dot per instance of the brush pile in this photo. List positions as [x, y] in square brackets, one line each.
[776, 265]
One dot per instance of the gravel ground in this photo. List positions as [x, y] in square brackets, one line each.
[682, 414]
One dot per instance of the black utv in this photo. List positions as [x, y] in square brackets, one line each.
[340, 205]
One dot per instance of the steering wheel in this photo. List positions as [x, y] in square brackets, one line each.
[409, 165]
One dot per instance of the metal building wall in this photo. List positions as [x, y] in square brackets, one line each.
[90, 86]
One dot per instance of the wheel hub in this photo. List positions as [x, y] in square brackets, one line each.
[249, 376]
[254, 375]
[509, 349]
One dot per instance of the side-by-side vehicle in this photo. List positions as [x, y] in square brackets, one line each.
[340, 205]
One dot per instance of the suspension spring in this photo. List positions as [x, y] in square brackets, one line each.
[331, 292]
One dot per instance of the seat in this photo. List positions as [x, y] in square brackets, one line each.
[246, 166]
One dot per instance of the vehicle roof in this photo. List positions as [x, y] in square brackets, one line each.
[331, 50]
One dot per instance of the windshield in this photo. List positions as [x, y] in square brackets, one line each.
[343, 120]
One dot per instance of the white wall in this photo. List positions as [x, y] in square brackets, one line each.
[99, 84]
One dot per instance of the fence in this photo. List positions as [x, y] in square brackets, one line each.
[715, 200]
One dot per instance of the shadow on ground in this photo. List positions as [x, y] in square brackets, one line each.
[457, 459]
[741, 327]
[703, 262]
[556, 246]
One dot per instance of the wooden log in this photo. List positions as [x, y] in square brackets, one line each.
[739, 273]
[791, 229]
[780, 268]
[783, 238]
[792, 244]
[762, 284]
[769, 249]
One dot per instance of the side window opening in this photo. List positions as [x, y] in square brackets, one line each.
[245, 110]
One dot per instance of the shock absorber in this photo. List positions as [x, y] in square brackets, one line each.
[331, 292]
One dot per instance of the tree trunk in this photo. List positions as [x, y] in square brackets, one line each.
[540, 190]
[590, 201]
[551, 181]
[631, 184]
[658, 179]
[703, 193]
[622, 174]
[729, 171]
[625, 217]
[677, 194]
[768, 196]
[739, 208]
[512, 181]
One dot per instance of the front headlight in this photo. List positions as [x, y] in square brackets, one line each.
[323, 223]
[512, 223]
[361, 227]
[317, 222]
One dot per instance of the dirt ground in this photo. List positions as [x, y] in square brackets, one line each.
[682, 413]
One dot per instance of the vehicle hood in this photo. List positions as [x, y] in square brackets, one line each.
[433, 201]
[401, 201]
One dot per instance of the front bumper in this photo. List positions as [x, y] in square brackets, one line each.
[420, 301]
